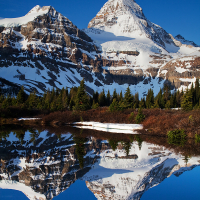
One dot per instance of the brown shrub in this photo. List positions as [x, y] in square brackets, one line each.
[159, 122]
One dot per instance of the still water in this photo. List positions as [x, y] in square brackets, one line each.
[44, 163]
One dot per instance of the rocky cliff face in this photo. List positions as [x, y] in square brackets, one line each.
[44, 49]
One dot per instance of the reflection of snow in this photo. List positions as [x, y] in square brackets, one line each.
[28, 191]
[114, 174]
[130, 178]
[28, 119]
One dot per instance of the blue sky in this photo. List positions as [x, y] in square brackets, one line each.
[175, 16]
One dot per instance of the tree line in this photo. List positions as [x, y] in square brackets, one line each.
[77, 99]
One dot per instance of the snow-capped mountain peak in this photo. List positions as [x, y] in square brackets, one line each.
[30, 16]
[126, 18]
[119, 16]
[35, 9]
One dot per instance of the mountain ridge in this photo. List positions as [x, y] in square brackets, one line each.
[50, 51]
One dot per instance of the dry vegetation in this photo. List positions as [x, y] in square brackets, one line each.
[157, 122]
[99, 115]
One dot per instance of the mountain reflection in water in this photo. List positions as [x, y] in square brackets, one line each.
[43, 163]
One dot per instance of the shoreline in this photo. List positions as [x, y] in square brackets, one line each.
[157, 122]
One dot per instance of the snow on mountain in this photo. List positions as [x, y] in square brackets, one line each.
[125, 18]
[184, 41]
[122, 22]
[122, 48]
[30, 16]
[120, 28]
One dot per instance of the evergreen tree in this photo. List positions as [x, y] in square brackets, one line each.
[114, 96]
[128, 98]
[80, 150]
[196, 92]
[95, 105]
[14, 101]
[40, 104]
[173, 101]
[1, 98]
[64, 98]
[102, 99]
[95, 96]
[121, 96]
[142, 103]
[140, 116]
[114, 106]
[21, 96]
[178, 98]
[7, 102]
[113, 144]
[47, 99]
[166, 93]
[137, 101]
[108, 99]
[53, 94]
[127, 146]
[168, 105]
[59, 102]
[82, 100]
[71, 104]
[53, 106]
[186, 103]
[32, 101]
[73, 93]
[150, 99]
[159, 100]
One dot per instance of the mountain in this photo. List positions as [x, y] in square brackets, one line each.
[184, 41]
[42, 49]
[120, 48]
[126, 18]
[120, 29]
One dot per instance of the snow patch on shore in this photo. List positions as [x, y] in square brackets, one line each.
[110, 127]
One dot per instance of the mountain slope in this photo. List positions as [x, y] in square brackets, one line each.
[120, 29]
[122, 48]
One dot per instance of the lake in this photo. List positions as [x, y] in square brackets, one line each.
[69, 163]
